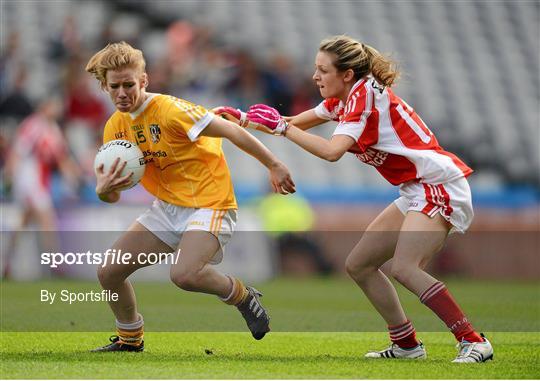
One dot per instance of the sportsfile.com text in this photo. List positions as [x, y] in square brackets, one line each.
[109, 257]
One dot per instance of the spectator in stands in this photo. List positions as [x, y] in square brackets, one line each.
[245, 84]
[435, 199]
[10, 62]
[15, 103]
[305, 96]
[278, 80]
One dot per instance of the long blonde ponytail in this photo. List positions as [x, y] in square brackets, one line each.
[361, 58]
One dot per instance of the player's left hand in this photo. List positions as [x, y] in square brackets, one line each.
[234, 115]
[239, 117]
[281, 180]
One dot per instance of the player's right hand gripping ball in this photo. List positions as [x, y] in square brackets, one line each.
[267, 119]
[126, 151]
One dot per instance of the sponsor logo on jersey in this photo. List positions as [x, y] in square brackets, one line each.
[120, 134]
[155, 132]
[153, 154]
[158, 153]
[373, 157]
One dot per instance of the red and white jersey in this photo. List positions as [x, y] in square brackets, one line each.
[390, 136]
[40, 145]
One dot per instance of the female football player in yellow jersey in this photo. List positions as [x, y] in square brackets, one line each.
[194, 212]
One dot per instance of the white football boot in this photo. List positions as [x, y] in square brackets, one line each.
[474, 352]
[395, 352]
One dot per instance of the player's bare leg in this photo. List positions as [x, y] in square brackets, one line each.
[420, 239]
[193, 273]
[46, 219]
[48, 234]
[372, 251]
[363, 265]
[113, 277]
[26, 217]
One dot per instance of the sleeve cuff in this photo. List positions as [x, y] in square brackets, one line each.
[321, 112]
[354, 130]
[195, 131]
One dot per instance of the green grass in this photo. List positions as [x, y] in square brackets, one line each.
[236, 355]
[321, 329]
[296, 305]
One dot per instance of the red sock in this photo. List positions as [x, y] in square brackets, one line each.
[403, 335]
[438, 299]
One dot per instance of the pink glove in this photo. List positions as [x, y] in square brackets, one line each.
[267, 119]
[232, 114]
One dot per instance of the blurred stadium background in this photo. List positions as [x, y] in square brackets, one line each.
[471, 70]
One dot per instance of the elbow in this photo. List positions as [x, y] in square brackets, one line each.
[333, 156]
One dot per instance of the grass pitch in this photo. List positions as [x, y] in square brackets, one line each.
[215, 355]
[296, 348]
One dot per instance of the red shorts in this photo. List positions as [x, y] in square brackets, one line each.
[451, 200]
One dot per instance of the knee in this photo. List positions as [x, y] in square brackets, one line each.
[358, 270]
[108, 278]
[186, 279]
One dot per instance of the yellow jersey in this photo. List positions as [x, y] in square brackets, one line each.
[182, 168]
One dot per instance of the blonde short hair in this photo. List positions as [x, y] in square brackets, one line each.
[115, 56]
[361, 58]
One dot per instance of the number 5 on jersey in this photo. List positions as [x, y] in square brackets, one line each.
[140, 137]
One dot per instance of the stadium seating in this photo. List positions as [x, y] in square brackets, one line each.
[471, 69]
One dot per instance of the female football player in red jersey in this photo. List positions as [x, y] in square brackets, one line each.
[435, 199]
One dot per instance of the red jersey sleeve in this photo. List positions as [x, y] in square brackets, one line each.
[357, 111]
[360, 118]
[329, 109]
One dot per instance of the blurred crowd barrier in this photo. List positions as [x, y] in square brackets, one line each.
[501, 244]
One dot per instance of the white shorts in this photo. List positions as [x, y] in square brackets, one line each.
[28, 188]
[168, 222]
[452, 200]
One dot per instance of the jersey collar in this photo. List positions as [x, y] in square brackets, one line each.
[142, 107]
[357, 84]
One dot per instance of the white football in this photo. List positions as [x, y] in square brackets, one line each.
[126, 151]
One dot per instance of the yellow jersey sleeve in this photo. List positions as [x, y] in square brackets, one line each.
[187, 118]
[114, 129]
[108, 132]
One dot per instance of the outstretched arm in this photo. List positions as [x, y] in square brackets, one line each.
[269, 118]
[280, 177]
[331, 150]
[305, 120]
